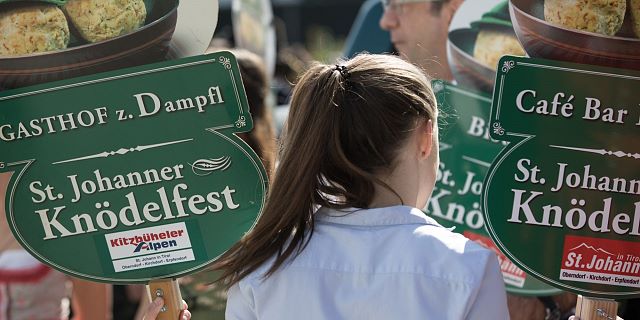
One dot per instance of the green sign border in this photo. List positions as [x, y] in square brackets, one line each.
[244, 123]
[497, 132]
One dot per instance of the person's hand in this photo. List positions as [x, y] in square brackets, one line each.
[154, 309]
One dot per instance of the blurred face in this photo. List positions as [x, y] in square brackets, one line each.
[419, 31]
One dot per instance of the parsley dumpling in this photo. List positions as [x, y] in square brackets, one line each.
[99, 20]
[599, 16]
[492, 43]
[32, 29]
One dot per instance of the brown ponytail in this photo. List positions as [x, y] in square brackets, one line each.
[346, 124]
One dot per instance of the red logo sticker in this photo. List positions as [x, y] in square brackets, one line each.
[511, 274]
[604, 261]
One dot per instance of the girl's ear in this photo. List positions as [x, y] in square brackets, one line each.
[426, 139]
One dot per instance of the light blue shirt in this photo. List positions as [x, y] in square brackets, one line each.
[382, 263]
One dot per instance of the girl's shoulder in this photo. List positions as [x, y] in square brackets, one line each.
[454, 250]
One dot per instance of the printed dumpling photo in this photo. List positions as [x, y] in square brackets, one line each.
[32, 29]
[599, 16]
[492, 43]
[99, 20]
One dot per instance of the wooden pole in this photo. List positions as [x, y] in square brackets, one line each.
[596, 309]
[169, 290]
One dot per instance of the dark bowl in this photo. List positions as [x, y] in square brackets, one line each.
[148, 44]
[467, 71]
[541, 39]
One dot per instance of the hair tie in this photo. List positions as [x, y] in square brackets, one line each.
[343, 70]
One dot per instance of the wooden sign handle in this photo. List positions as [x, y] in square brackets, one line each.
[596, 309]
[169, 290]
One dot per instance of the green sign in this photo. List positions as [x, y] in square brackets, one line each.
[132, 175]
[562, 200]
[466, 152]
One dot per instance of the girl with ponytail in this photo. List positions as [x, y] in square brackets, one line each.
[341, 235]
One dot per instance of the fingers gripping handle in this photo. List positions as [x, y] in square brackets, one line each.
[169, 290]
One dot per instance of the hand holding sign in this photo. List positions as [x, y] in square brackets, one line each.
[155, 308]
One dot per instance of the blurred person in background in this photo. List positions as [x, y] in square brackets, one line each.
[128, 301]
[419, 31]
[556, 307]
[256, 85]
[30, 290]
[291, 62]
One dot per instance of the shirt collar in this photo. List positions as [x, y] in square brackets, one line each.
[385, 216]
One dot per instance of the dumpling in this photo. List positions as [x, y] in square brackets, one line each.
[599, 16]
[99, 20]
[492, 43]
[32, 29]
